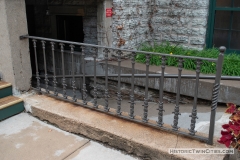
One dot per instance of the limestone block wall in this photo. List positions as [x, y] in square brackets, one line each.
[181, 22]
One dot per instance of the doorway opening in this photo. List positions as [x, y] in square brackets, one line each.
[70, 28]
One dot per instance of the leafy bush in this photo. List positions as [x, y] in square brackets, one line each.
[231, 133]
[231, 65]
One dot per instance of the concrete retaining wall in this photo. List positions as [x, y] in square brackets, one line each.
[227, 93]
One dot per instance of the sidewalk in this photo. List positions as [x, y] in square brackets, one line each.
[24, 137]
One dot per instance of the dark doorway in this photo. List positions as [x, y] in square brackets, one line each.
[70, 28]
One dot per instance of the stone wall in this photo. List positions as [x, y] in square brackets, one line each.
[181, 22]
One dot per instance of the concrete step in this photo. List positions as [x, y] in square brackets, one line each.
[10, 106]
[5, 89]
[136, 139]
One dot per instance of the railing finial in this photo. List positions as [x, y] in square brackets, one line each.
[222, 49]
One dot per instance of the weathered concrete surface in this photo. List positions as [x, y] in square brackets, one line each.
[25, 137]
[96, 151]
[229, 90]
[136, 139]
[14, 56]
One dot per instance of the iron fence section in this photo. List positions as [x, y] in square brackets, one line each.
[131, 116]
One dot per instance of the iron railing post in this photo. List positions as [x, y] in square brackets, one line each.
[215, 93]
[106, 108]
[73, 74]
[94, 49]
[194, 110]
[146, 99]
[119, 96]
[132, 103]
[161, 84]
[176, 110]
[63, 72]
[45, 66]
[36, 65]
[54, 70]
[84, 88]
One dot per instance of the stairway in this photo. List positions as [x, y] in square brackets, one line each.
[9, 105]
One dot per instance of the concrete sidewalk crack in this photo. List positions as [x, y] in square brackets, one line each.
[76, 149]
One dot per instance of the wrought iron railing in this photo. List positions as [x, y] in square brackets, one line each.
[131, 116]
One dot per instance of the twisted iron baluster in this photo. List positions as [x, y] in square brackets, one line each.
[215, 93]
[176, 110]
[45, 67]
[106, 108]
[36, 65]
[194, 110]
[145, 110]
[54, 70]
[132, 103]
[160, 106]
[84, 90]
[73, 74]
[63, 71]
[95, 77]
[119, 96]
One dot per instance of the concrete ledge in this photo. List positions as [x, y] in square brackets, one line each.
[229, 90]
[145, 142]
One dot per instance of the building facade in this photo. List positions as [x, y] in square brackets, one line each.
[116, 23]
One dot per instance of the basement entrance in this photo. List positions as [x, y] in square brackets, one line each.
[70, 28]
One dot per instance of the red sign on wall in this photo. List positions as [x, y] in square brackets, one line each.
[108, 12]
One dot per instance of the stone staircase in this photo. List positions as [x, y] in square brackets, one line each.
[9, 104]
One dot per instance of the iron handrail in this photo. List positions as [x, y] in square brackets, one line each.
[188, 76]
[124, 50]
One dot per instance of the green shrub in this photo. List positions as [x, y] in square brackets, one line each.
[231, 65]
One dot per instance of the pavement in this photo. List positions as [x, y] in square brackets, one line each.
[23, 137]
